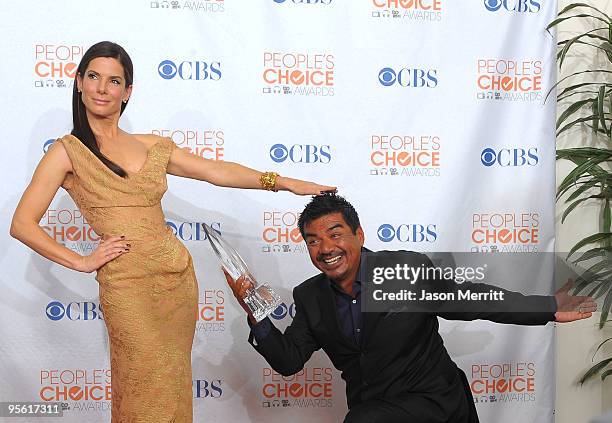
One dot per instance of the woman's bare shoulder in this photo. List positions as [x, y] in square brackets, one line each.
[57, 156]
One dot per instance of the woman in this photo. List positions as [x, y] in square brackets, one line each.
[147, 283]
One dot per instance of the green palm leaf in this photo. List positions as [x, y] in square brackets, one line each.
[585, 186]
[605, 309]
[588, 6]
[605, 286]
[572, 206]
[590, 118]
[584, 167]
[567, 44]
[589, 240]
[592, 253]
[573, 108]
[594, 370]
[581, 15]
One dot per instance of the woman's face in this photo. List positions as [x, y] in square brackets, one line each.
[102, 87]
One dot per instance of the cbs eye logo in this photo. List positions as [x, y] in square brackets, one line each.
[48, 144]
[386, 233]
[493, 5]
[488, 157]
[278, 152]
[167, 69]
[283, 311]
[55, 311]
[387, 77]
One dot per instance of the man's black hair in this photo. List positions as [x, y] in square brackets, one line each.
[325, 204]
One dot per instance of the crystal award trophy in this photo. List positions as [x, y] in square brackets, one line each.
[260, 299]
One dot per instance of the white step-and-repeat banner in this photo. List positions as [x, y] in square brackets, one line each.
[428, 115]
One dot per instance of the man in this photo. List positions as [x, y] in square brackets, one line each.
[395, 365]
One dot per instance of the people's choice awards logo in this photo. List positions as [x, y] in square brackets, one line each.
[302, 73]
[408, 10]
[405, 155]
[190, 6]
[83, 390]
[509, 80]
[55, 65]
[211, 311]
[280, 232]
[513, 382]
[310, 387]
[206, 143]
[69, 228]
[506, 232]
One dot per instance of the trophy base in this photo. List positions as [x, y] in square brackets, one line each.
[262, 301]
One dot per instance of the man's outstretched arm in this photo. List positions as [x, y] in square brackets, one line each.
[286, 353]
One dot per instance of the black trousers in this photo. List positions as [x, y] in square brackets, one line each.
[387, 411]
[378, 411]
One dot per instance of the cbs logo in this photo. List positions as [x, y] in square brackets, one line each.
[414, 78]
[521, 6]
[192, 231]
[509, 157]
[47, 144]
[301, 153]
[196, 70]
[283, 311]
[407, 233]
[85, 310]
[207, 389]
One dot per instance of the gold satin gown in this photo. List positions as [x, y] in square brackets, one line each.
[149, 295]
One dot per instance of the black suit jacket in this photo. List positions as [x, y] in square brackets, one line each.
[401, 358]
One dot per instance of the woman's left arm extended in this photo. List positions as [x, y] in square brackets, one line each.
[234, 175]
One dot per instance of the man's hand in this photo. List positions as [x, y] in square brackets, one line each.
[240, 288]
[571, 308]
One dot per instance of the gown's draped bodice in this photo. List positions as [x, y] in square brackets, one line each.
[129, 206]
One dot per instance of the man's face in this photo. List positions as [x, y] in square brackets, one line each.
[333, 247]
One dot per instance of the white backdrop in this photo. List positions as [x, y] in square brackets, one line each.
[427, 114]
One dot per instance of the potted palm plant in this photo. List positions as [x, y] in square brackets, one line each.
[585, 99]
